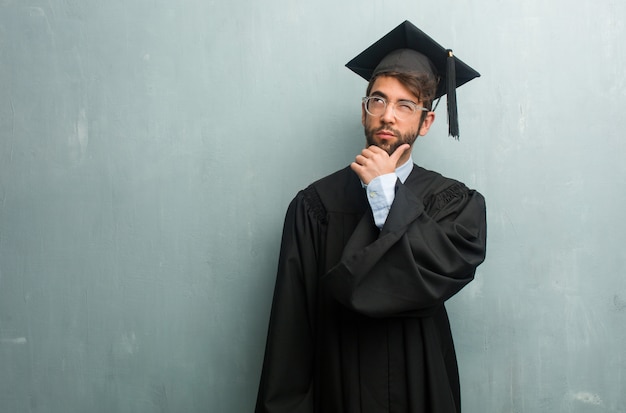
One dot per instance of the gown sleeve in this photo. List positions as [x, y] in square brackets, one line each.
[286, 384]
[425, 253]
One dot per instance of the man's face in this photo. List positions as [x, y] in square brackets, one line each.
[386, 131]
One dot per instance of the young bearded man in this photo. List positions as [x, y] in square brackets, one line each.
[371, 253]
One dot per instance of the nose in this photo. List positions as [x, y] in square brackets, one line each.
[388, 115]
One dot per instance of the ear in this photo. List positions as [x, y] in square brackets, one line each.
[427, 123]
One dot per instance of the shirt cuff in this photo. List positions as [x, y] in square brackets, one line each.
[380, 194]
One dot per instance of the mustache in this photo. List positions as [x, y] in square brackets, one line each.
[388, 130]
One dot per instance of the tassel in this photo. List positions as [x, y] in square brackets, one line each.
[453, 118]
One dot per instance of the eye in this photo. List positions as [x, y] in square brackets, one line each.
[376, 105]
[405, 107]
[377, 101]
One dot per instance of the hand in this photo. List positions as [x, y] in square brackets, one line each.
[374, 161]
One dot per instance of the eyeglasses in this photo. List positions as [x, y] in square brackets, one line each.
[402, 109]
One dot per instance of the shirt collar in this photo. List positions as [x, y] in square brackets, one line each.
[403, 171]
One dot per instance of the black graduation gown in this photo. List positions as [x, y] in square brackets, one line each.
[358, 323]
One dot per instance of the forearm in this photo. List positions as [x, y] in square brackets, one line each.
[416, 262]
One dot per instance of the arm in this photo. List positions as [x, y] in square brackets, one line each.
[421, 258]
[287, 378]
[381, 192]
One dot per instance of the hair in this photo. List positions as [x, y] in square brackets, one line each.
[422, 85]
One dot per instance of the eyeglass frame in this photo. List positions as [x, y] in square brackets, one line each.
[416, 108]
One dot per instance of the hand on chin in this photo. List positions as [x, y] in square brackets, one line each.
[387, 145]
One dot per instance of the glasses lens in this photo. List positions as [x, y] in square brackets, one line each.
[375, 105]
[404, 109]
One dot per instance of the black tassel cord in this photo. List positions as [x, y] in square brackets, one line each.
[453, 118]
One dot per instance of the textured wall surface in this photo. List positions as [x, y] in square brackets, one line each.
[149, 149]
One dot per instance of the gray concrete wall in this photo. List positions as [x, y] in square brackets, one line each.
[149, 149]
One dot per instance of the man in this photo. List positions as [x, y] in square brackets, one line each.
[370, 254]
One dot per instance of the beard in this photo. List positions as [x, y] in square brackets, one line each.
[389, 147]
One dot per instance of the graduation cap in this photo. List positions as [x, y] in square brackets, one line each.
[407, 49]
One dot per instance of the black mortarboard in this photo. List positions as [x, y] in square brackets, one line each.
[407, 49]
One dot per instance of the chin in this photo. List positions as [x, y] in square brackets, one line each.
[388, 148]
[385, 145]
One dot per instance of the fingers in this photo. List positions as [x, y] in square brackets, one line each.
[371, 163]
[397, 154]
[374, 161]
[373, 149]
[373, 154]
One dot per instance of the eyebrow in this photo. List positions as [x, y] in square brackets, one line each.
[382, 95]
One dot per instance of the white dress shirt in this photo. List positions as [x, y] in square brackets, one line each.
[381, 191]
